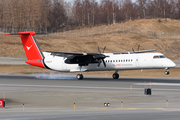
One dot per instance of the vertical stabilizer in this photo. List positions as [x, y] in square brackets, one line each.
[31, 48]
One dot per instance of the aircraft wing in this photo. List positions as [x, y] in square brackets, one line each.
[143, 51]
[136, 52]
[81, 58]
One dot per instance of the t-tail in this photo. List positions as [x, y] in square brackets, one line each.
[33, 52]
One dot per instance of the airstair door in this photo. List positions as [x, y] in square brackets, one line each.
[137, 62]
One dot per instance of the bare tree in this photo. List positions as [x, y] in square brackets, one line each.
[142, 7]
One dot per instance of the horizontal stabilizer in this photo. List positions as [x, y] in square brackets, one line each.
[22, 33]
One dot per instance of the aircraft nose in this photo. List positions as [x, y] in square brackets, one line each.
[172, 64]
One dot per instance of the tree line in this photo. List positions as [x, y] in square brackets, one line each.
[59, 14]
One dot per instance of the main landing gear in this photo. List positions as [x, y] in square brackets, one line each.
[80, 76]
[115, 75]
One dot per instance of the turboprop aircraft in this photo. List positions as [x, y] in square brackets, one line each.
[84, 62]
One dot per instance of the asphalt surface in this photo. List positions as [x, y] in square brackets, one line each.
[12, 61]
[47, 98]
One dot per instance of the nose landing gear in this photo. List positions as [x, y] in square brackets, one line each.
[166, 72]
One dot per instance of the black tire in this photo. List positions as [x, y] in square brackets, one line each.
[115, 76]
[79, 76]
[166, 72]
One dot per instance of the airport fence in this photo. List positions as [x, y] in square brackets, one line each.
[95, 31]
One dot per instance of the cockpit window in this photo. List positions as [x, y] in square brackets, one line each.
[160, 56]
[156, 57]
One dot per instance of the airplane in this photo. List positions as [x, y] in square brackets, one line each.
[85, 62]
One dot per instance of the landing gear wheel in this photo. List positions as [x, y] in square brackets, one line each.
[79, 76]
[115, 76]
[166, 72]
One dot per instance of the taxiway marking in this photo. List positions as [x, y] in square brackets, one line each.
[160, 84]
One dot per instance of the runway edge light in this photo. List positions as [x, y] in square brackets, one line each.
[166, 103]
[121, 104]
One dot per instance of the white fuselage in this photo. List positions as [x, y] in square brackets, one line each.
[113, 62]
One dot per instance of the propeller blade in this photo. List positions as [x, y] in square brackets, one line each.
[99, 64]
[99, 50]
[138, 47]
[133, 50]
[104, 63]
[104, 49]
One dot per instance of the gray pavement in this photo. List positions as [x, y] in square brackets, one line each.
[177, 63]
[12, 61]
[46, 98]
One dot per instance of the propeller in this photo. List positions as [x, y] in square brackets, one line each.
[100, 57]
[104, 49]
[133, 50]
[138, 49]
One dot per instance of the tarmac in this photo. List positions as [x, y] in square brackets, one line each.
[46, 98]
